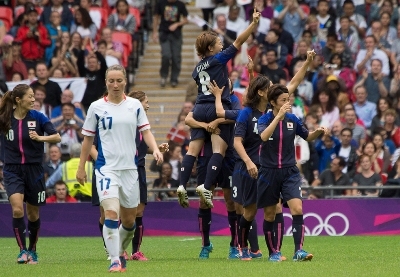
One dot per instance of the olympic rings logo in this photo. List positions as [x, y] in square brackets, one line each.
[323, 225]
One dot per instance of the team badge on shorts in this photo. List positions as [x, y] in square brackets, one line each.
[31, 124]
[290, 125]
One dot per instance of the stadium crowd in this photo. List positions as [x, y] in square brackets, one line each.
[352, 87]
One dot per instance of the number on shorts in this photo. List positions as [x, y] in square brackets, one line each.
[103, 120]
[107, 183]
[230, 181]
[255, 130]
[10, 135]
[41, 196]
[204, 81]
[234, 194]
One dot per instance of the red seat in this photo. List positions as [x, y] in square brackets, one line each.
[6, 15]
[126, 40]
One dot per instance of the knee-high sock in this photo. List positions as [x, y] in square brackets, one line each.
[186, 169]
[137, 238]
[33, 228]
[232, 219]
[298, 232]
[213, 169]
[101, 232]
[19, 228]
[244, 228]
[268, 228]
[253, 237]
[279, 230]
[111, 238]
[125, 237]
[204, 225]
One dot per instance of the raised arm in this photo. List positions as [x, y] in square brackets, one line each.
[246, 33]
[296, 80]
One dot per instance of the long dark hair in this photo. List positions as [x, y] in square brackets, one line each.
[378, 111]
[7, 104]
[86, 20]
[331, 102]
[260, 82]
[275, 91]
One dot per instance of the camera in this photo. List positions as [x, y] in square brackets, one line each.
[330, 66]
[70, 122]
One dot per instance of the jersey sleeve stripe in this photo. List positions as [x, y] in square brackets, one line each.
[140, 127]
[92, 132]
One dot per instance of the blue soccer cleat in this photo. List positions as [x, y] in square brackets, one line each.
[233, 253]
[302, 255]
[115, 266]
[205, 252]
[245, 254]
[256, 255]
[275, 257]
[23, 257]
[32, 257]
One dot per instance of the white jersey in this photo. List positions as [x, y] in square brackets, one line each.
[115, 126]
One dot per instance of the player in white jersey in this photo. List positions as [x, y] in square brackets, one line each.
[115, 119]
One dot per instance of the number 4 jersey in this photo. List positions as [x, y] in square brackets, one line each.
[213, 68]
[115, 126]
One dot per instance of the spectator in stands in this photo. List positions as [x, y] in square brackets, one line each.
[234, 21]
[334, 176]
[113, 48]
[385, 6]
[348, 35]
[165, 181]
[336, 128]
[227, 36]
[300, 54]
[365, 110]
[329, 47]
[53, 90]
[333, 86]
[358, 132]
[65, 50]
[297, 105]
[34, 38]
[326, 21]
[17, 77]
[327, 148]
[382, 153]
[314, 34]
[345, 74]
[348, 152]
[40, 95]
[224, 9]
[66, 97]
[61, 194]
[262, 7]
[102, 48]
[61, 8]
[271, 43]
[95, 15]
[94, 73]
[173, 157]
[270, 67]
[391, 128]
[83, 24]
[76, 44]
[54, 161]
[57, 73]
[387, 31]
[305, 88]
[167, 18]
[31, 74]
[395, 50]
[18, 22]
[327, 101]
[367, 177]
[371, 52]
[376, 31]
[68, 125]
[55, 30]
[285, 37]
[293, 18]
[12, 62]
[379, 119]
[187, 107]
[122, 20]
[207, 7]
[356, 21]
[345, 53]
[64, 65]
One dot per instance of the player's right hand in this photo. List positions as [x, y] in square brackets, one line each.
[256, 16]
[310, 55]
[214, 88]
[81, 176]
[286, 108]
[252, 169]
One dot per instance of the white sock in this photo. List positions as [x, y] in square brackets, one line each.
[126, 236]
[111, 238]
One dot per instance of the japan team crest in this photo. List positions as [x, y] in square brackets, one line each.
[31, 124]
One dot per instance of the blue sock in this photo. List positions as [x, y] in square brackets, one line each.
[213, 169]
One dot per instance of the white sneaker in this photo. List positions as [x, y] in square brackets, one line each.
[205, 195]
[182, 197]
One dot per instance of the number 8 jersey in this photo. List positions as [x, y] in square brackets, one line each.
[213, 68]
[115, 126]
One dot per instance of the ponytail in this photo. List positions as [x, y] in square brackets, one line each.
[6, 108]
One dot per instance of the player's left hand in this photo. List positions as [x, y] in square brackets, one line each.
[163, 147]
[310, 55]
[34, 136]
[214, 89]
[158, 156]
[256, 16]
[323, 130]
[212, 127]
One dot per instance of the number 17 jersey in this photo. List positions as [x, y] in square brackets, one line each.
[115, 126]
[213, 68]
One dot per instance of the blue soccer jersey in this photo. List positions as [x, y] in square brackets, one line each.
[279, 151]
[213, 68]
[246, 128]
[141, 149]
[18, 147]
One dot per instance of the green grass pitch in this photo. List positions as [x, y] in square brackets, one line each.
[177, 256]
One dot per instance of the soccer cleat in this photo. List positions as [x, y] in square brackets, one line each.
[256, 255]
[275, 257]
[138, 256]
[245, 254]
[123, 262]
[302, 255]
[23, 257]
[205, 195]
[233, 253]
[205, 252]
[115, 267]
[182, 197]
[32, 257]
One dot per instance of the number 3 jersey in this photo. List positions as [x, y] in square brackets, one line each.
[115, 126]
[18, 147]
[213, 68]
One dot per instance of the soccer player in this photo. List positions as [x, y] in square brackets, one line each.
[142, 150]
[278, 175]
[23, 136]
[211, 67]
[115, 119]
